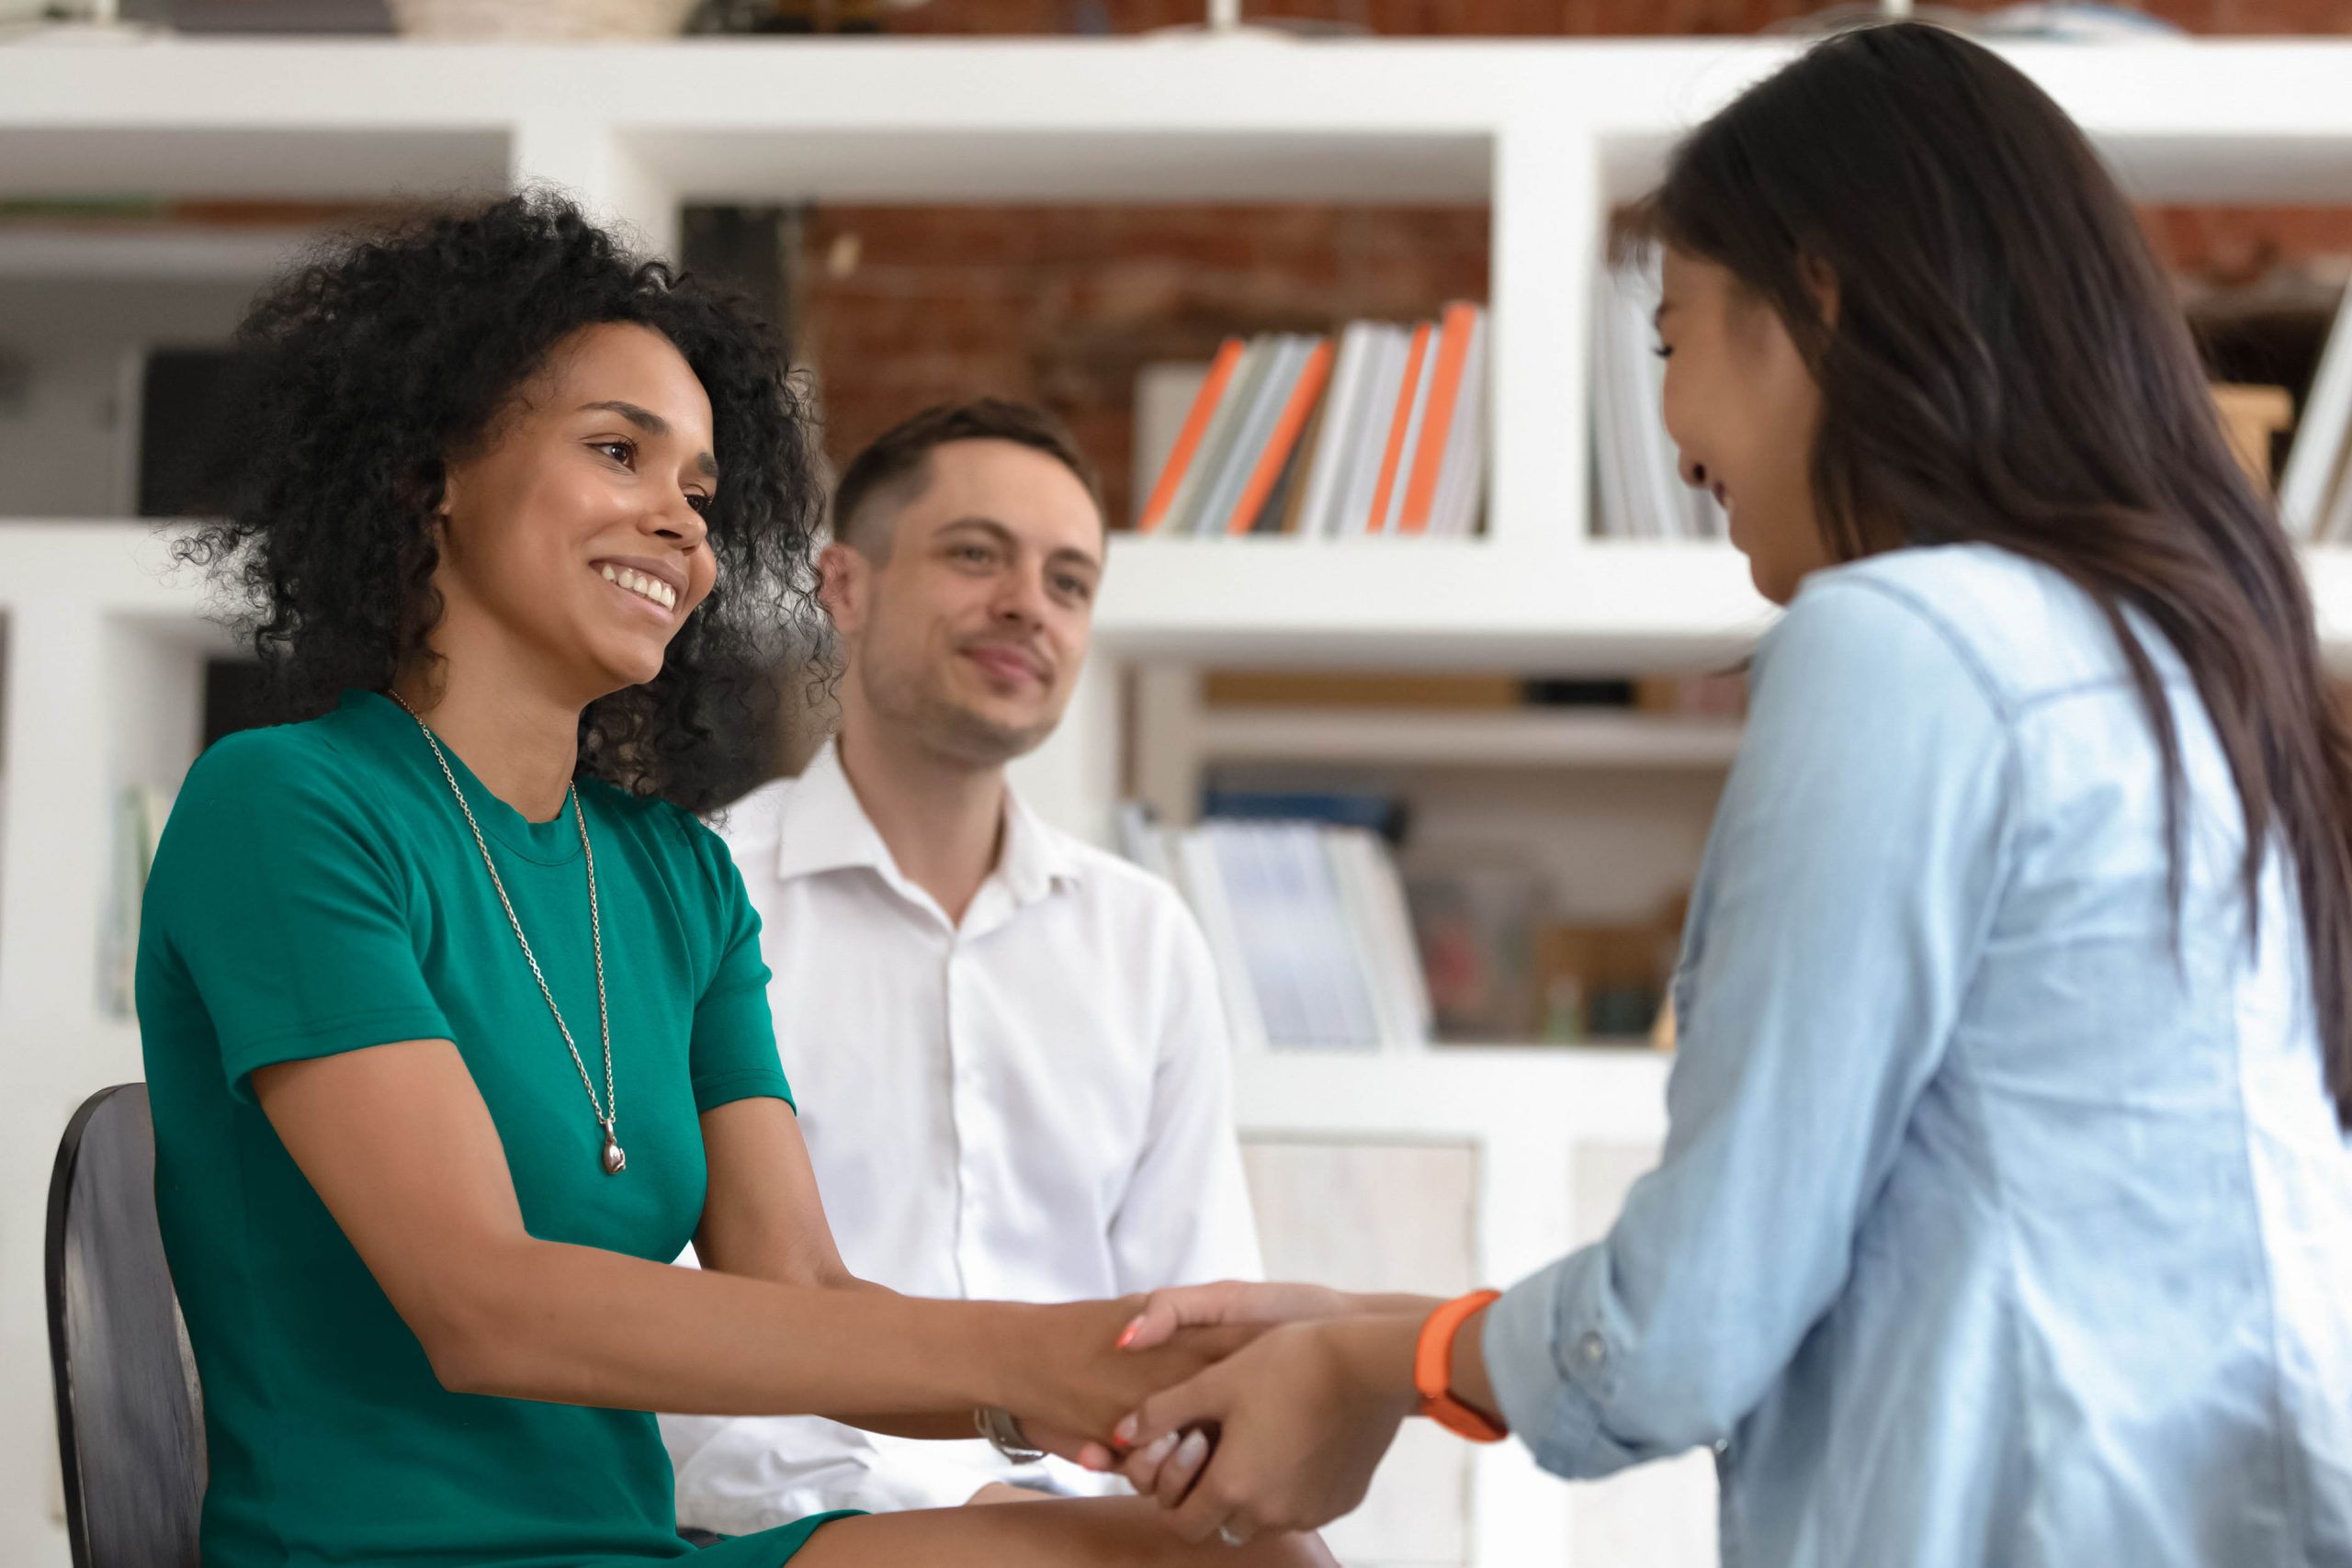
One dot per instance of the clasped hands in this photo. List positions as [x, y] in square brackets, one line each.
[1266, 1407]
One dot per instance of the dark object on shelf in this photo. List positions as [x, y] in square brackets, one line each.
[181, 403]
[236, 696]
[267, 15]
[1552, 693]
[1384, 815]
[130, 1413]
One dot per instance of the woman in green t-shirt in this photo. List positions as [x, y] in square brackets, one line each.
[455, 1025]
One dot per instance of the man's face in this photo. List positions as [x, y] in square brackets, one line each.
[970, 628]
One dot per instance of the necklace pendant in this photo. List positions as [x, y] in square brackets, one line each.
[614, 1160]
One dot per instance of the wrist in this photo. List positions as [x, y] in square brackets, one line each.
[1375, 1354]
[999, 1349]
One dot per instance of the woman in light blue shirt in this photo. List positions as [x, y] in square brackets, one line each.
[2006, 1213]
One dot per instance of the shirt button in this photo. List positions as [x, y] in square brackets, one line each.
[1593, 1348]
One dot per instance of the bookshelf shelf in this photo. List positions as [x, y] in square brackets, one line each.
[1537, 738]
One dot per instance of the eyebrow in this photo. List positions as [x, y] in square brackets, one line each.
[1003, 535]
[652, 424]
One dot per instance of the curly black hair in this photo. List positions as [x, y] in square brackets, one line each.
[368, 370]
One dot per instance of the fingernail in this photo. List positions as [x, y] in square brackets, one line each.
[1192, 1450]
[1126, 1431]
[1159, 1446]
[1127, 1335]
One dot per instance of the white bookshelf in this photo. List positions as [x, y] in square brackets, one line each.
[102, 659]
[1511, 737]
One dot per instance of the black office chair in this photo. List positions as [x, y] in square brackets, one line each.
[130, 1414]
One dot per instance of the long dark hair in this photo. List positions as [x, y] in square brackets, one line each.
[367, 370]
[2008, 367]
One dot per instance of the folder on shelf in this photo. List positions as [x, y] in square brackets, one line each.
[1201, 477]
[1188, 438]
[1453, 334]
[1269, 366]
[1384, 495]
[1305, 391]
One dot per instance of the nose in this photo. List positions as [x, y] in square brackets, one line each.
[1021, 599]
[680, 525]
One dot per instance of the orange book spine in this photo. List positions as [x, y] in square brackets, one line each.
[1445, 387]
[1395, 456]
[1187, 439]
[1311, 379]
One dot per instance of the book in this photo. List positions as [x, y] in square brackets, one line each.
[1305, 390]
[1188, 438]
[1412, 388]
[1454, 331]
[1217, 439]
[1385, 374]
[2313, 470]
[1254, 421]
[1335, 430]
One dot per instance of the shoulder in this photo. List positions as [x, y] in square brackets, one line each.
[2013, 628]
[1142, 904]
[751, 825]
[286, 773]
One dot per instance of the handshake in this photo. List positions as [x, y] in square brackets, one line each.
[1242, 1408]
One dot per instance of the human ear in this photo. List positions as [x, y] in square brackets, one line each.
[842, 586]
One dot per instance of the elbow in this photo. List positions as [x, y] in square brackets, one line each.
[469, 1341]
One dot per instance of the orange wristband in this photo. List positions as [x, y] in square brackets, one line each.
[1433, 1372]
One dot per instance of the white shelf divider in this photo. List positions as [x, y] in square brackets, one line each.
[1506, 737]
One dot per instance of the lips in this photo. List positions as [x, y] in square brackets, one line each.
[1006, 663]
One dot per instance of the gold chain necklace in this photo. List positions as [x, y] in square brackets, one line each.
[614, 1160]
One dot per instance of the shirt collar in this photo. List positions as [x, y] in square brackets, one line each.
[825, 829]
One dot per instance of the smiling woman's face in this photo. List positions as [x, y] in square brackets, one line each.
[573, 543]
[1742, 408]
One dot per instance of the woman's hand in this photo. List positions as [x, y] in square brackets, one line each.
[1068, 1378]
[1229, 1302]
[1302, 1418]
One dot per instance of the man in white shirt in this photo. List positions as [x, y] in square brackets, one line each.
[1007, 1045]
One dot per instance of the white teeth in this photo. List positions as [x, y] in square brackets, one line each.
[643, 585]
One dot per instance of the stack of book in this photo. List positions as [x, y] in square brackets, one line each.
[1384, 432]
[1638, 480]
[1307, 921]
[2314, 491]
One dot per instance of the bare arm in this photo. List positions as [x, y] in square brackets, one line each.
[762, 1218]
[499, 1312]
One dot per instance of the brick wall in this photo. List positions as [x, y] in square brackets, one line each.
[899, 307]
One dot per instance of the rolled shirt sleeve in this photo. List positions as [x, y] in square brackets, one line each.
[1848, 886]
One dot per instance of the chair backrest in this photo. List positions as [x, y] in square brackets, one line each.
[130, 1415]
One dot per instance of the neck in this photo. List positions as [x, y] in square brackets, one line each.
[521, 742]
[943, 819]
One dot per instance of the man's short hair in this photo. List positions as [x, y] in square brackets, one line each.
[894, 467]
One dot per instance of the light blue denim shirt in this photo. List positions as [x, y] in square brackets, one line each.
[1992, 1228]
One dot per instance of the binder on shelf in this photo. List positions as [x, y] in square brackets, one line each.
[1380, 429]
[1307, 925]
[1187, 439]
[2311, 477]
[1437, 429]
[1304, 392]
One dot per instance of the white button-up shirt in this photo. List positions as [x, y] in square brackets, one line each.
[1033, 1106]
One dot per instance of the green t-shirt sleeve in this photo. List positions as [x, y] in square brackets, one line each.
[287, 909]
[733, 1051]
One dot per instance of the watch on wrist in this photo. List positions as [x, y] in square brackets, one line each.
[1003, 1430]
[1433, 1372]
